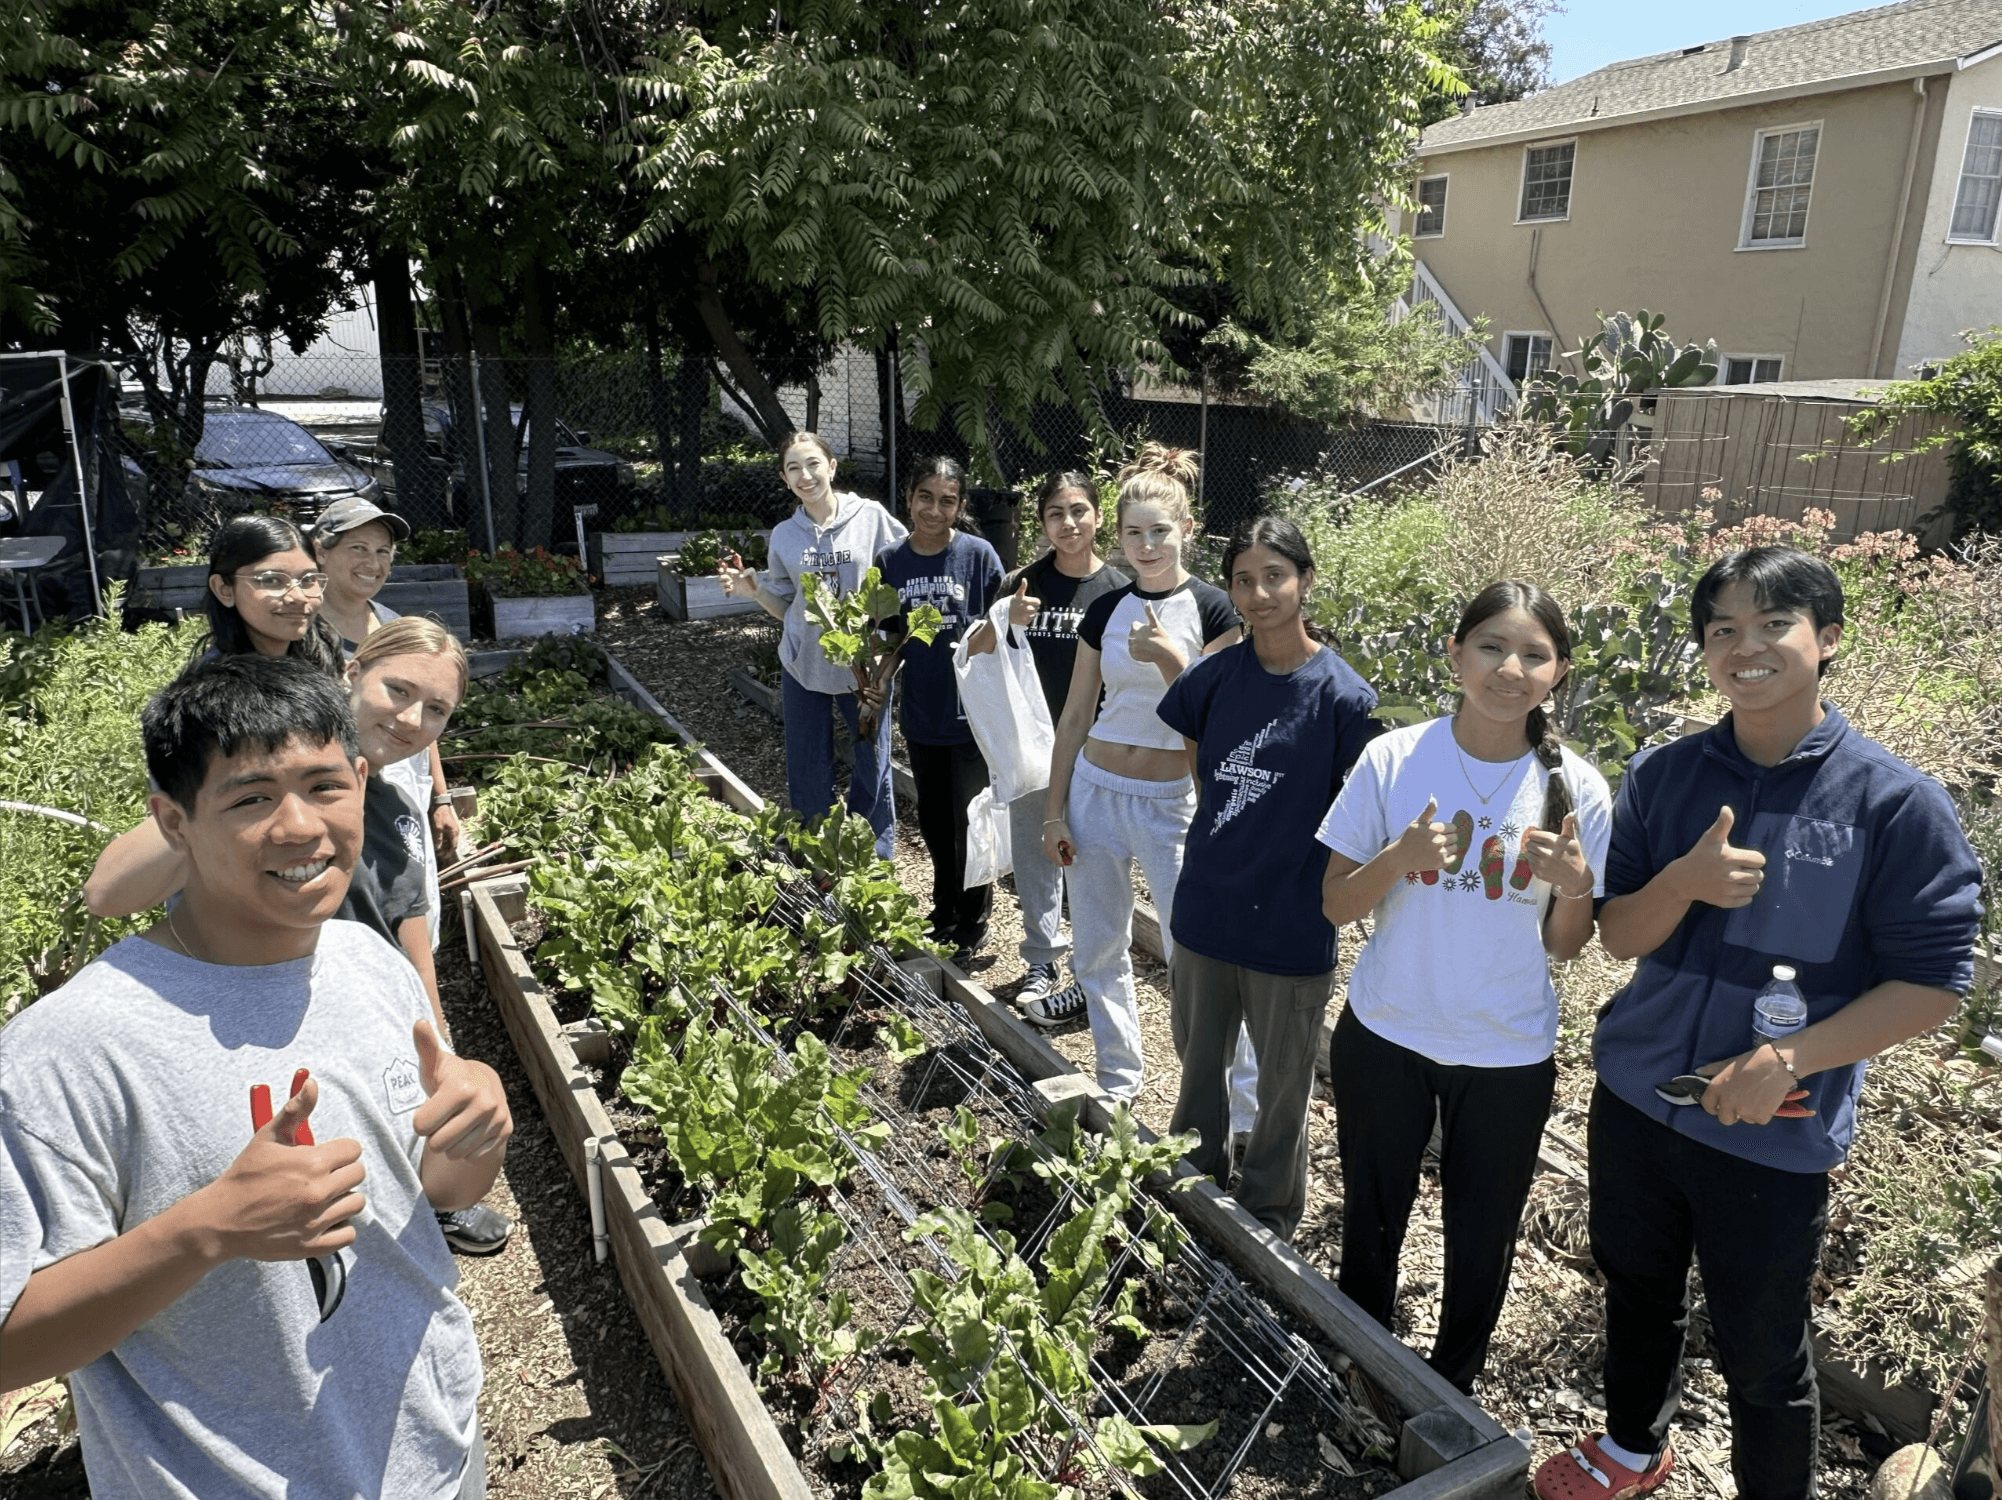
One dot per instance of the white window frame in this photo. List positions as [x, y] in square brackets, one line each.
[1512, 334]
[1967, 145]
[1418, 213]
[1745, 240]
[1724, 366]
[1522, 180]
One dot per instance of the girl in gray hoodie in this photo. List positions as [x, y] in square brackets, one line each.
[834, 536]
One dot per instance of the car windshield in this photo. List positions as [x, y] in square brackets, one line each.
[232, 441]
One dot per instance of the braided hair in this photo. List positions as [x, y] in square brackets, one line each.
[1497, 598]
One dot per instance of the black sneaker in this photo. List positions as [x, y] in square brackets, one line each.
[475, 1231]
[1042, 979]
[1059, 1008]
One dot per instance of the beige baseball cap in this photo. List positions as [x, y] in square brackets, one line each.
[348, 513]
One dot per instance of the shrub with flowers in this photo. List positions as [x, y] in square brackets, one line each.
[521, 575]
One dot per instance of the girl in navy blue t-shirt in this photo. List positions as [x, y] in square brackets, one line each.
[1272, 726]
[957, 574]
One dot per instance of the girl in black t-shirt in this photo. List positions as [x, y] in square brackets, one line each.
[1051, 595]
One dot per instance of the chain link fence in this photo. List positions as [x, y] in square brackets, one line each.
[640, 444]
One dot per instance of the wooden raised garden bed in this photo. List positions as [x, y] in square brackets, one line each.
[436, 589]
[628, 559]
[698, 598]
[546, 614]
[934, 1041]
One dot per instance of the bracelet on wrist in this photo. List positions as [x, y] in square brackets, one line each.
[1562, 895]
[444, 801]
[1048, 821]
[1784, 1061]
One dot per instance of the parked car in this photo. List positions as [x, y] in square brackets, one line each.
[584, 475]
[252, 460]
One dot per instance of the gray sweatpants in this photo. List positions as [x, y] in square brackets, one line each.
[1039, 885]
[1213, 1004]
[1118, 820]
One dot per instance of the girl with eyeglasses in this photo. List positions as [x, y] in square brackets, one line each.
[265, 591]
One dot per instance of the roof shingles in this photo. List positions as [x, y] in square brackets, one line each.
[1889, 37]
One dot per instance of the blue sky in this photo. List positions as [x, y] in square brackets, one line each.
[1592, 33]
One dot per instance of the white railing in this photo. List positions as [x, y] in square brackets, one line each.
[1481, 391]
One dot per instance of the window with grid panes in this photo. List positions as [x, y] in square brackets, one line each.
[1546, 181]
[1431, 219]
[1749, 370]
[1528, 356]
[1781, 185]
[1976, 203]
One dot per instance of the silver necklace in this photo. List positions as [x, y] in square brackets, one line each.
[1469, 777]
[175, 928]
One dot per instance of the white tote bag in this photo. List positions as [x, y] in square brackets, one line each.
[1003, 700]
[989, 852]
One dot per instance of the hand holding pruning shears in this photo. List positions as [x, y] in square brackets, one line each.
[1753, 1088]
[286, 1196]
[1058, 847]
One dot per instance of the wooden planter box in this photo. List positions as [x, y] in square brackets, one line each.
[434, 589]
[183, 586]
[1448, 1449]
[626, 559]
[552, 614]
[698, 598]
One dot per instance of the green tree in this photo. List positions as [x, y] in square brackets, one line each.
[1497, 48]
[1966, 390]
[1019, 186]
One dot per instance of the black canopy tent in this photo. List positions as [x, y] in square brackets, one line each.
[57, 418]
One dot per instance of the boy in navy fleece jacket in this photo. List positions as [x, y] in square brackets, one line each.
[1782, 836]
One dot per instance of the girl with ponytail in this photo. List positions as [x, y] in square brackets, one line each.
[1451, 1013]
[1120, 792]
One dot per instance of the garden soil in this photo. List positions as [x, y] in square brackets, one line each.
[1543, 1372]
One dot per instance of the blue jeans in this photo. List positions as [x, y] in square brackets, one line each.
[809, 721]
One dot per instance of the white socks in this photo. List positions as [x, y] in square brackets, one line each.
[1640, 1463]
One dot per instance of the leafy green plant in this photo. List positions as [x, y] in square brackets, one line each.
[808, 1328]
[509, 574]
[1966, 390]
[1626, 362]
[851, 637]
[432, 547]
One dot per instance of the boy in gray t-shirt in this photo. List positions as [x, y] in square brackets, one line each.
[147, 1208]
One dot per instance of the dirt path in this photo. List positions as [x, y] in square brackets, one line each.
[1543, 1373]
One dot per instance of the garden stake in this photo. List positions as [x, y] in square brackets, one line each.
[472, 936]
[601, 1242]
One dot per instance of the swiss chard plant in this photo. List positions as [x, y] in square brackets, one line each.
[851, 633]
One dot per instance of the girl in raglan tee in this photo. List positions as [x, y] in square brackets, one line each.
[1120, 790]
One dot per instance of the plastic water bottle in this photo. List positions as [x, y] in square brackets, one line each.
[1779, 1011]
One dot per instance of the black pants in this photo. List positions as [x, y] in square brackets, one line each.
[1755, 1231]
[1386, 1098]
[949, 777]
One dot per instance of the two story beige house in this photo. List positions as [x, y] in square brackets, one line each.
[1823, 200]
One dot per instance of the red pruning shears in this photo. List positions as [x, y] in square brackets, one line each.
[329, 1273]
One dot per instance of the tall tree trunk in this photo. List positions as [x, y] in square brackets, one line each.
[691, 391]
[420, 491]
[659, 413]
[497, 427]
[462, 452]
[766, 410]
[538, 506]
[813, 402]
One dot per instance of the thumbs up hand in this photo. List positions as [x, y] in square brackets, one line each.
[1148, 640]
[464, 1116]
[1425, 844]
[284, 1197]
[1717, 871]
[1558, 858]
[1023, 607]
